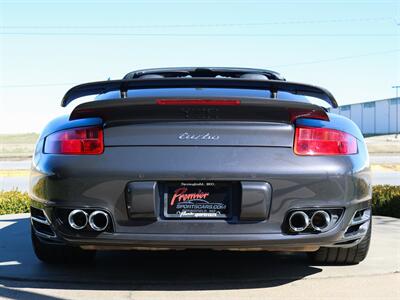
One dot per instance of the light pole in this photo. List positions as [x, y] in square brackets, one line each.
[397, 108]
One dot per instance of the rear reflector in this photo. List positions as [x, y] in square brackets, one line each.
[79, 141]
[323, 141]
[192, 102]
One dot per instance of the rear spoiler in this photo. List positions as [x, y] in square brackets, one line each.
[123, 85]
[210, 109]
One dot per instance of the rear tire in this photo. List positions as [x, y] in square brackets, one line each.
[341, 255]
[60, 254]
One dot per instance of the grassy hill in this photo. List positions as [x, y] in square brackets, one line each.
[17, 145]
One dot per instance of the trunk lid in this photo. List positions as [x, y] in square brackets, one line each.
[200, 134]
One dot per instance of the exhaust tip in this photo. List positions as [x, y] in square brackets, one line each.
[98, 220]
[320, 220]
[298, 221]
[78, 219]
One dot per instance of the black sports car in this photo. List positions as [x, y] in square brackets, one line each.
[215, 158]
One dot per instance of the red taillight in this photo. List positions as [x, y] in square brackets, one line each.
[79, 141]
[204, 102]
[323, 141]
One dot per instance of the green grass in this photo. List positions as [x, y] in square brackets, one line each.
[17, 145]
[23, 138]
[385, 201]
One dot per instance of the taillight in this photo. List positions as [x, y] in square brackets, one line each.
[323, 141]
[194, 102]
[79, 141]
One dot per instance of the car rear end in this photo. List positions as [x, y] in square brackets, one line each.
[217, 172]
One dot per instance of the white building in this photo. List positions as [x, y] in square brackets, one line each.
[374, 117]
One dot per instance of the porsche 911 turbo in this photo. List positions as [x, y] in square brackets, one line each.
[201, 158]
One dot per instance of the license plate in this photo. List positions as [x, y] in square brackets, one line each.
[196, 200]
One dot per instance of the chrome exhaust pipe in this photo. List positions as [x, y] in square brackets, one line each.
[298, 221]
[78, 219]
[98, 220]
[320, 220]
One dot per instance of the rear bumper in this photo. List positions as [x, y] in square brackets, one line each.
[250, 242]
[296, 183]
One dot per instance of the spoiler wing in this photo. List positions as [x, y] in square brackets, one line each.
[123, 85]
[171, 109]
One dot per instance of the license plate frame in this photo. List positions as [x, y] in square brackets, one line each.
[198, 200]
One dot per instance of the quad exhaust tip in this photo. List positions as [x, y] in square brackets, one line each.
[98, 220]
[298, 221]
[320, 220]
[78, 219]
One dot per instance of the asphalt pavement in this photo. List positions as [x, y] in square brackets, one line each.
[198, 274]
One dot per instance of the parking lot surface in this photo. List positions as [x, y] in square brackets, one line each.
[198, 274]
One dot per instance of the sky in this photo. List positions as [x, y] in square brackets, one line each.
[352, 48]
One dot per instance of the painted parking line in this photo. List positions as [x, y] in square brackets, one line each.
[4, 224]
[14, 173]
[385, 167]
[9, 263]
